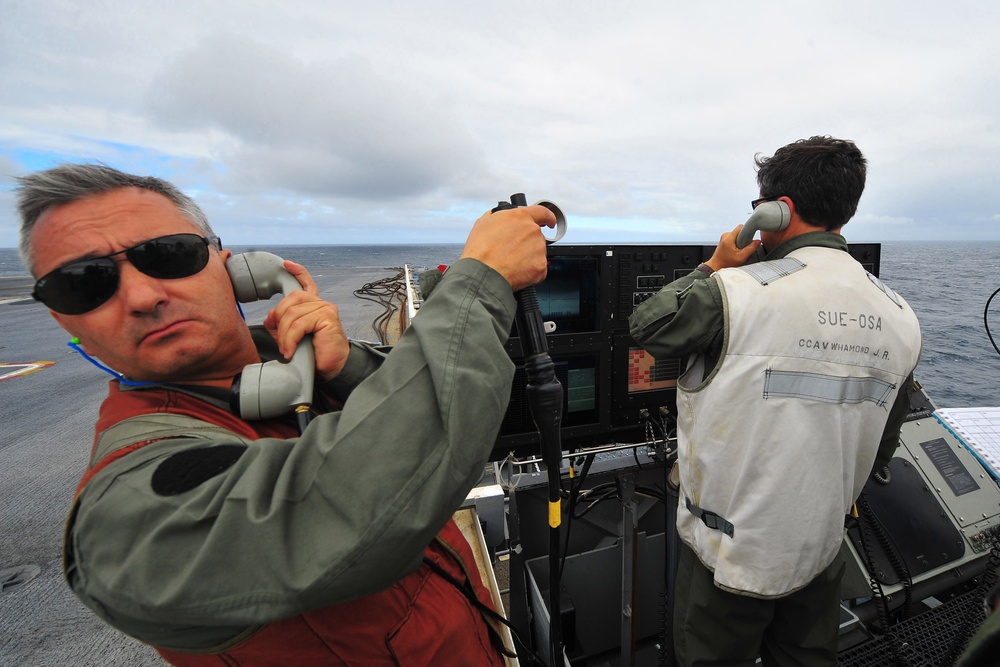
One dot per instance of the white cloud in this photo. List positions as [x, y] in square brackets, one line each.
[337, 128]
[330, 120]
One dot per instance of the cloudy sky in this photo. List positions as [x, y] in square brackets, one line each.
[309, 121]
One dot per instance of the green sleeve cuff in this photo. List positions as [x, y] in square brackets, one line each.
[362, 361]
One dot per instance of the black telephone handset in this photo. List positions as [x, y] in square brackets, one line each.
[769, 216]
[274, 388]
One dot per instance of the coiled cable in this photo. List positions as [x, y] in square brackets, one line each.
[390, 293]
[986, 322]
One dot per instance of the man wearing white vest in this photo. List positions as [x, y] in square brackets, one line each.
[799, 370]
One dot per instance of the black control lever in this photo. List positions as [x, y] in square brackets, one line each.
[545, 399]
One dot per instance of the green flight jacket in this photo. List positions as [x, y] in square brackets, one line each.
[341, 512]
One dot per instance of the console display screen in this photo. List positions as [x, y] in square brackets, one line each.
[568, 295]
[579, 378]
[647, 374]
[581, 389]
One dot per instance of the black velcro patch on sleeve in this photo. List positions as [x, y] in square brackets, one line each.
[189, 469]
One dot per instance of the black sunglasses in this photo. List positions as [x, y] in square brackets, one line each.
[81, 286]
[757, 202]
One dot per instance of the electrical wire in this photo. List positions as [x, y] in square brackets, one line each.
[574, 495]
[667, 433]
[968, 627]
[466, 589]
[75, 345]
[986, 322]
[867, 523]
[612, 490]
[390, 293]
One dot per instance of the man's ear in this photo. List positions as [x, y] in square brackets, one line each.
[792, 213]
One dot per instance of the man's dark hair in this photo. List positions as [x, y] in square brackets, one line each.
[823, 176]
[68, 183]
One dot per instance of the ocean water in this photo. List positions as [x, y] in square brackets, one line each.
[318, 257]
[947, 284]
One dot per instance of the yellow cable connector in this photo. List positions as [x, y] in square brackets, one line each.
[555, 513]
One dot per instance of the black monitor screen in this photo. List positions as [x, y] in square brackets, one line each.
[568, 297]
[579, 377]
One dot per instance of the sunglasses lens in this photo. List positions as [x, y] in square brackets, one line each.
[177, 256]
[82, 286]
[79, 287]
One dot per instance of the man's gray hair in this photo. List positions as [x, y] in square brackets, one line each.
[66, 183]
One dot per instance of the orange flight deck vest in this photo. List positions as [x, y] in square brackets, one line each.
[423, 619]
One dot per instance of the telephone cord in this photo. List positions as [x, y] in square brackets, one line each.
[986, 322]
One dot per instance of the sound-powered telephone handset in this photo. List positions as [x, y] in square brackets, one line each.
[769, 216]
[274, 388]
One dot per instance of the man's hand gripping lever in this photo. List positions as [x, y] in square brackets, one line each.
[545, 393]
[274, 388]
[545, 399]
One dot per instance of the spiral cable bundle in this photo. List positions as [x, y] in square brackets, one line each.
[391, 294]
